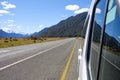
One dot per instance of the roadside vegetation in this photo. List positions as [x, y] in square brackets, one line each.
[9, 42]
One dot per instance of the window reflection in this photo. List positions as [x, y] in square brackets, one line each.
[110, 66]
[95, 46]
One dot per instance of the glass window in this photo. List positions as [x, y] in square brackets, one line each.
[110, 64]
[95, 46]
[85, 26]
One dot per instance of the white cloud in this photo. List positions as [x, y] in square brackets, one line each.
[78, 10]
[10, 21]
[6, 29]
[4, 12]
[7, 5]
[40, 26]
[72, 7]
[18, 26]
[98, 10]
[81, 10]
[12, 25]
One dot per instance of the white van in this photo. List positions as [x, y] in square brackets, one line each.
[100, 59]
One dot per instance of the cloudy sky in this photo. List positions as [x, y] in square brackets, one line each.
[29, 16]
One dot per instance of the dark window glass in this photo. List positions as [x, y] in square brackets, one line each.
[95, 46]
[110, 64]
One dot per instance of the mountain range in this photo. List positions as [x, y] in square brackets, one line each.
[70, 27]
[4, 34]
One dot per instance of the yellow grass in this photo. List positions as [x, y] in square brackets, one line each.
[22, 41]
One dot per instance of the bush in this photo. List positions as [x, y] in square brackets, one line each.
[15, 39]
[6, 41]
[34, 41]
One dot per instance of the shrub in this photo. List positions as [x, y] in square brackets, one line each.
[15, 39]
[6, 41]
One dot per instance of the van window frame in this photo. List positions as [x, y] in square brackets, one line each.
[101, 33]
[101, 39]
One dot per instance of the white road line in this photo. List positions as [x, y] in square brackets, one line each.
[29, 57]
[3, 51]
[111, 63]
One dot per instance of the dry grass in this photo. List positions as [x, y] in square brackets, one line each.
[6, 42]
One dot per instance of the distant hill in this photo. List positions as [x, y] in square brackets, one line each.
[4, 34]
[71, 27]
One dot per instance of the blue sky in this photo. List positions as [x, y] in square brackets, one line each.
[29, 16]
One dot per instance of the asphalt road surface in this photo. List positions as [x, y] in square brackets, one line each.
[43, 61]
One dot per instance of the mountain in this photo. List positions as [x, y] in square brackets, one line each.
[38, 33]
[71, 27]
[4, 34]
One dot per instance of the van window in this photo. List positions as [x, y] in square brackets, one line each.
[110, 64]
[95, 44]
[85, 26]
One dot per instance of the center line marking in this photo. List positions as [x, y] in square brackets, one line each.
[68, 63]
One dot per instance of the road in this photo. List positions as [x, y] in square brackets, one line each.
[43, 61]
